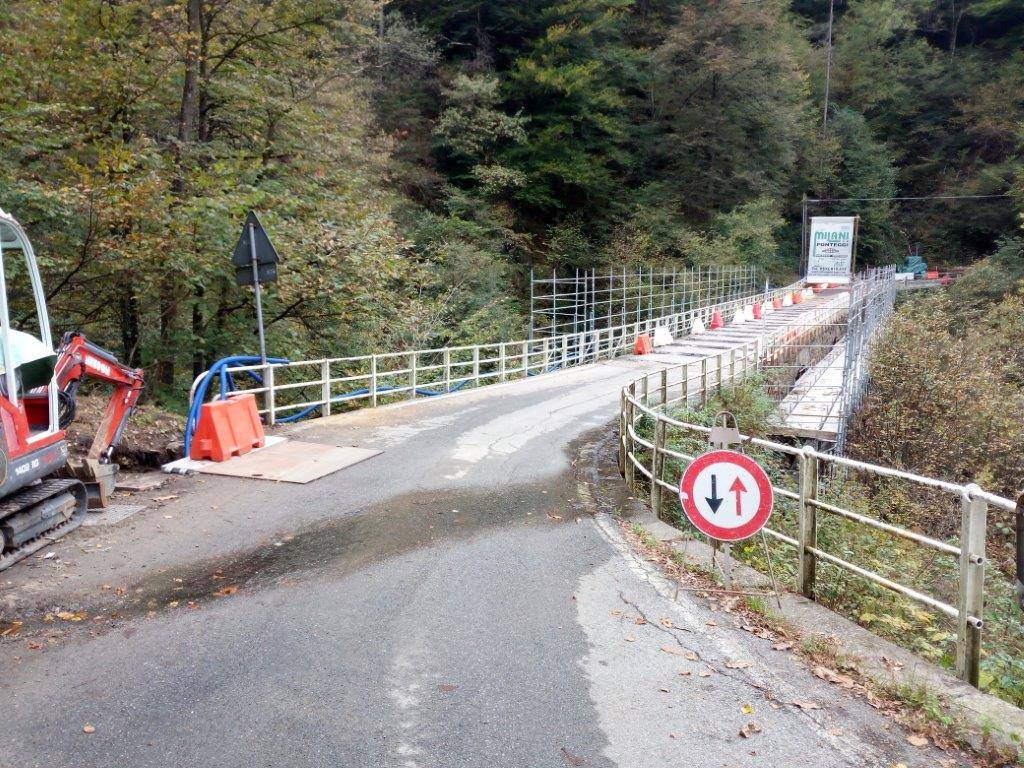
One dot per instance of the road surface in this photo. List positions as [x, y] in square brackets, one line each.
[451, 602]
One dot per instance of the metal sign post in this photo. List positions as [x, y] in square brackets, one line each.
[255, 260]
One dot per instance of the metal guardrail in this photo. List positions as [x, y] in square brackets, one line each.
[290, 388]
[695, 382]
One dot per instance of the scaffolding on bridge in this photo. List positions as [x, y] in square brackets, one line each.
[589, 300]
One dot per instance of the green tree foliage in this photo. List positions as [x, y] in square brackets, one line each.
[413, 159]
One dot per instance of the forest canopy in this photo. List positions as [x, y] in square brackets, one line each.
[413, 160]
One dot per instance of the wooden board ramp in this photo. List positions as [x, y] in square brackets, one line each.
[281, 460]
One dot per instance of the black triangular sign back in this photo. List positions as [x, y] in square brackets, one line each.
[265, 252]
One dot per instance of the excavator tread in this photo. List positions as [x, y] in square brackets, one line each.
[27, 497]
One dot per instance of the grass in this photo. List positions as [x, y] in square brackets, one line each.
[911, 625]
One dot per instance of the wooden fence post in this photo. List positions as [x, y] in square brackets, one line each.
[808, 521]
[971, 603]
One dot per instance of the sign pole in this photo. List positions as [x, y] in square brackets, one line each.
[256, 287]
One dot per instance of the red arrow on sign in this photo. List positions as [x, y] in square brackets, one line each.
[739, 489]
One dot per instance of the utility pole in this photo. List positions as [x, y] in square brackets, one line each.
[828, 65]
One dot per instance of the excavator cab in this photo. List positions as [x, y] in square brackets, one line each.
[35, 505]
[27, 358]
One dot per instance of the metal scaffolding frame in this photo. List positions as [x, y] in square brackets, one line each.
[588, 300]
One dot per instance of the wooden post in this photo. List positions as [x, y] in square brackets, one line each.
[501, 361]
[526, 359]
[664, 386]
[704, 381]
[684, 387]
[412, 376]
[447, 370]
[808, 521]
[657, 462]
[622, 431]
[971, 603]
[546, 351]
[476, 366]
[627, 442]
[325, 387]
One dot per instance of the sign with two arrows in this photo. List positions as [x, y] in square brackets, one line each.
[746, 504]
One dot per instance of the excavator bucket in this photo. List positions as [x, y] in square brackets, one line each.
[99, 479]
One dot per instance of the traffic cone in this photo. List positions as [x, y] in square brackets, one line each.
[748, 313]
[787, 300]
[758, 311]
[817, 288]
[739, 318]
[697, 327]
[643, 345]
[716, 320]
[776, 303]
[798, 296]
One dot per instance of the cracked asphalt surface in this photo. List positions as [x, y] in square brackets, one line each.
[454, 601]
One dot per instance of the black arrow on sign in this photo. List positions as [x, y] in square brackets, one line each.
[714, 501]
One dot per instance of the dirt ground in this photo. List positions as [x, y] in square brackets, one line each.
[151, 438]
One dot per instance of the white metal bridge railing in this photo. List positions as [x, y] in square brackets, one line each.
[647, 398]
[302, 387]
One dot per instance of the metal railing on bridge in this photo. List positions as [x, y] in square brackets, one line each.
[303, 387]
[645, 450]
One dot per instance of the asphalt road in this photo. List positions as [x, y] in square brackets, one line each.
[451, 602]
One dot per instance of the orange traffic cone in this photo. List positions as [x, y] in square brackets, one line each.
[716, 321]
[643, 345]
[757, 311]
[798, 296]
[776, 303]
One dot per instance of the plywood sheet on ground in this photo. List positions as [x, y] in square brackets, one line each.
[291, 462]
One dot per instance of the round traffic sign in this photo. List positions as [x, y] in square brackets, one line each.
[726, 495]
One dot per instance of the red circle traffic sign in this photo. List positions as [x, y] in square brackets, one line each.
[726, 495]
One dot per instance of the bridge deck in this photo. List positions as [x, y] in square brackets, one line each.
[787, 324]
[812, 408]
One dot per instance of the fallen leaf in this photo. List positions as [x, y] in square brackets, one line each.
[737, 664]
[749, 730]
[665, 690]
[747, 709]
[640, 621]
[711, 623]
[917, 740]
[806, 705]
[172, 604]
[685, 672]
[785, 645]
[705, 672]
[630, 639]
[225, 591]
[666, 623]
[88, 728]
[572, 759]
[616, 612]
[12, 629]
[168, 498]
[446, 687]
[34, 646]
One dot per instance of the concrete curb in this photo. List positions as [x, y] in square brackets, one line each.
[882, 661]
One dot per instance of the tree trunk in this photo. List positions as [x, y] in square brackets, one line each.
[186, 132]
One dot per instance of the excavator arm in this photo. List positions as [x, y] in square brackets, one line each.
[78, 359]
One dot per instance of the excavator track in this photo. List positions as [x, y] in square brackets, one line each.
[28, 498]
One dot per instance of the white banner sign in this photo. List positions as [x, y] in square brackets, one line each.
[830, 254]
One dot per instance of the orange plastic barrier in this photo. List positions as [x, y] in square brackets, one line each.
[227, 428]
[798, 296]
[643, 345]
[716, 320]
[776, 303]
[931, 275]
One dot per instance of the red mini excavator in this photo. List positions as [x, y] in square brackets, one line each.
[42, 494]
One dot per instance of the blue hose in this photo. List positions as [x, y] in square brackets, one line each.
[227, 385]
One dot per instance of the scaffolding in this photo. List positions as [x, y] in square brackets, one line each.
[589, 300]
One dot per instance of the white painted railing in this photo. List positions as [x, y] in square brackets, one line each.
[287, 389]
[696, 382]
